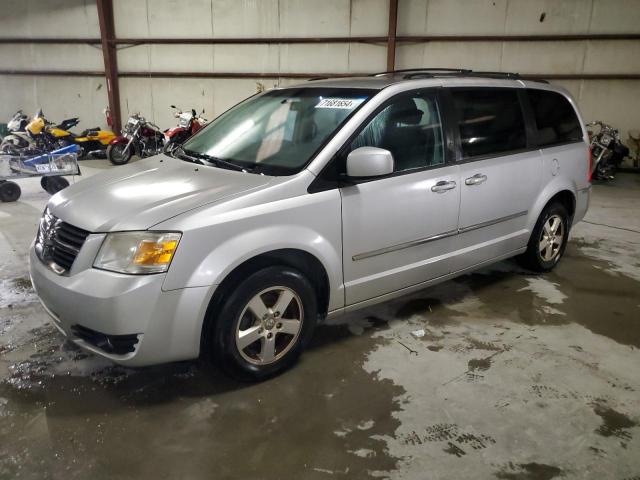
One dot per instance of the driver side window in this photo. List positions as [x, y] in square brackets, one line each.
[410, 128]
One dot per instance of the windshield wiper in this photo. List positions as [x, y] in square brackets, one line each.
[218, 162]
[180, 154]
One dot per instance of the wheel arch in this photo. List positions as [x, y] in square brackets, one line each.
[558, 192]
[308, 264]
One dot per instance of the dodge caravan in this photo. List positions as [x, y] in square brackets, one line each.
[305, 202]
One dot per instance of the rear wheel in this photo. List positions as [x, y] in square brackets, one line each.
[117, 154]
[9, 191]
[263, 326]
[548, 239]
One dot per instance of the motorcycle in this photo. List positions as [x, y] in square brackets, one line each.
[42, 136]
[188, 124]
[139, 137]
[607, 150]
[91, 142]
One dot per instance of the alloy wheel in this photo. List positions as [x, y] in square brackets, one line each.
[269, 325]
[551, 238]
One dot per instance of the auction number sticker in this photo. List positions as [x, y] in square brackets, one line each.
[43, 168]
[343, 103]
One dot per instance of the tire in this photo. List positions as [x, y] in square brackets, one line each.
[53, 185]
[116, 154]
[260, 292]
[541, 257]
[9, 191]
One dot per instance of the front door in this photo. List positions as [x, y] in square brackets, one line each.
[398, 230]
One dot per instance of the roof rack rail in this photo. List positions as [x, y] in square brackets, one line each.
[496, 74]
[418, 70]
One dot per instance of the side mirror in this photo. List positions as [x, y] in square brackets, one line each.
[367, 162]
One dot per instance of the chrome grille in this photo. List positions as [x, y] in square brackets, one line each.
[58, 243]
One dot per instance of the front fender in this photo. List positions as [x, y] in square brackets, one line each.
[230, 254]
[120, 139]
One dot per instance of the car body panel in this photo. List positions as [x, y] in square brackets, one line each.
[141, 194]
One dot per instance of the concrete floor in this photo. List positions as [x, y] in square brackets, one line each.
[499, 374]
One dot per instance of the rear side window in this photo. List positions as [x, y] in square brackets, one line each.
[556, 120]
[490, 121]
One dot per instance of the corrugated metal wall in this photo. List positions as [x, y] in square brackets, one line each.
[615, 101]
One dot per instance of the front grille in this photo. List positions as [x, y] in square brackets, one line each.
[116, 344]
[58, 241]
[66, 244]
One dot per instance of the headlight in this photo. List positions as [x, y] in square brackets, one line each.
[137, 252]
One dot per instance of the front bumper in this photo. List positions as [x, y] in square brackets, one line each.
[167, 324]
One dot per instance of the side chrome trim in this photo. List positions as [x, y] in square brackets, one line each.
[492, 222]
[422, 241]
[402, 246]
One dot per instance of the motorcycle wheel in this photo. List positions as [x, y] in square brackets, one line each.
[53, 185]
[9, 191]
[117, 155]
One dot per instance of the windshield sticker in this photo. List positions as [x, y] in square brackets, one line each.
[343, 103]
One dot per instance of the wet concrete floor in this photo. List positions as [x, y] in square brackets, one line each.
[499, 374]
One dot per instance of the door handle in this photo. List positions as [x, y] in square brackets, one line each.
[477, 179]
[443, 185]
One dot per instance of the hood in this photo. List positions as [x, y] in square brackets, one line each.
[144, 193]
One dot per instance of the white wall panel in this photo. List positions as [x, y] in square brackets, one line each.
[474, 55]
[304, 18]
[321, 57]
[50, 57]
[367, 58]
[51, 18]
[130, 18]
[560, 17]
[445, 17]
[369, 17]
[179, 18]
[245, 18]
[542, 57]
[246, 58]
[615, 16]
[613, 56]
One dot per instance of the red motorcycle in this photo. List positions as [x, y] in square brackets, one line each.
[188, 124]
[139, 137]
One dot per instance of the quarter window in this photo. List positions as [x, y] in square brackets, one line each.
[490, 121]
[556, 120]
[410, 128]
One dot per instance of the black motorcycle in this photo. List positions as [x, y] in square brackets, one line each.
[139, 137]
[607, 150]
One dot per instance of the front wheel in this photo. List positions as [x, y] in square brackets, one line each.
[118, 154]
[263, 326]
[9, 191]
[548, 239]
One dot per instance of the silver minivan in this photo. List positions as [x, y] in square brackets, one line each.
[306, 202]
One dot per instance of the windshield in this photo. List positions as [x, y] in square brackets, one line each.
[276, 133]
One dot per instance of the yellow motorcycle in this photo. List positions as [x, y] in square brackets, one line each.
[41, 135]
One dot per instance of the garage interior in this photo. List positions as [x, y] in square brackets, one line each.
[497, 374]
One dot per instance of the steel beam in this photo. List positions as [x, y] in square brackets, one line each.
[391, 37]
[107, 39]
[301, 75]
